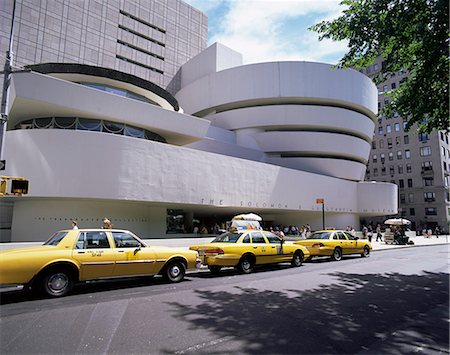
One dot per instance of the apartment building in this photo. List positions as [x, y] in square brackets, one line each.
[418, 163]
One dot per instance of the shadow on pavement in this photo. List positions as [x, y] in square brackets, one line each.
[376, 313]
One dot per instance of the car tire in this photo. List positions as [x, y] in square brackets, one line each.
[297, 259]
[214, 269]
[337, 254]
[56, 282]
[174, 271]
[246, 264]
[366, 252]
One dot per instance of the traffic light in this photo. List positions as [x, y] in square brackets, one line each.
[11, 185]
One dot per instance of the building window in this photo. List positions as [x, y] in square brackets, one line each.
[443, 151]
[401, 183]
[429, 196]
[402, 198]
[427, 165]
[397, 127]
[430, 211]
[408, 168]
[391, 156]
[393, 86]
[406, 139]
[389, 143]
[400, 169]
[410, 197]
[388, 128]
[375, 172]
[391, 170]
[428, 181]
[412, 212]
[374, 158]
[381, 142]
[380, 130]
[410, 183]
[425, 151]
[385, 88]
[382, 157]
[399, 155]
[405, 124]
[423, 137]
[407, 154]
[397, 140]
[374, 145]
[383, 170]
[87, 124]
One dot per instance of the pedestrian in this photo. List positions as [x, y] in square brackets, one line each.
[370, 233]
[437, 231]
[106, 223]
[379, 235]
[364, 232]
[74, 224]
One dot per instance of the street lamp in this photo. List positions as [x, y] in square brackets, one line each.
[6, 79]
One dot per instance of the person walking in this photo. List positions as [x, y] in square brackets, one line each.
[379, 235]
[74, 224]
[106, 223]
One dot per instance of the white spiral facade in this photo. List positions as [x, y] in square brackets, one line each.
[301, 115]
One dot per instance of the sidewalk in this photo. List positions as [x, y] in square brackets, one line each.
[186, 242]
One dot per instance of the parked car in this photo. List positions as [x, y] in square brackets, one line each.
[70, 256]
[245, 248]
[335, 243]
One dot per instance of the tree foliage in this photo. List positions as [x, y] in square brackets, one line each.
[411, 35]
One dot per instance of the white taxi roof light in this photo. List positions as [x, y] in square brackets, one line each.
[245, 225]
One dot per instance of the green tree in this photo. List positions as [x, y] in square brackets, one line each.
[411, 35]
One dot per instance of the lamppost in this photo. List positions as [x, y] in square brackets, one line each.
[6, 79]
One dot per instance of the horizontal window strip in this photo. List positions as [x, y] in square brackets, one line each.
[139, 49]
[142, 21]
[141, 35]
[344, 132]
[139, 64]
[315, 155]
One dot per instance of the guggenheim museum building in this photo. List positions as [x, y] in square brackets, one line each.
[120, 110]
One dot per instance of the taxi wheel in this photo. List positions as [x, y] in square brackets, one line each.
[337, 254]
[366, 252]
[297, 259]
[246, 264]
[214, 269]
[174, 271]
[57, 283]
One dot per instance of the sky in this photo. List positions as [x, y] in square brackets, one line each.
[272, 30]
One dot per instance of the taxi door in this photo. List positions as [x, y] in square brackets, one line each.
[261, 248]
[95, 255]
[346, 244]
[276, 251]
[132, 258]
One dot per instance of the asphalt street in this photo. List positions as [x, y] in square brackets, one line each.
[395, 302]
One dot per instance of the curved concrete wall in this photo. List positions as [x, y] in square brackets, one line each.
[300, 82]
[291, 111]
[92, 165]
[38, 95]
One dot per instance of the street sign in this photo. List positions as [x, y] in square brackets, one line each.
[320, 201]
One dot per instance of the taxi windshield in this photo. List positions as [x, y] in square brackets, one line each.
[227, 238]
[56, 238]
[319, 235]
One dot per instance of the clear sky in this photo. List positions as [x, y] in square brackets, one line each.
[272, 30]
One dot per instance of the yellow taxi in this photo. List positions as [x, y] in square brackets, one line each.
[76, 255]
[335, 243]
[247, 245]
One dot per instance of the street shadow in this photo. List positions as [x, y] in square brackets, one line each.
[83, 288]
[375, 313]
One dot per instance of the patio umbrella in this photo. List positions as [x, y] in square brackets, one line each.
[397, 221]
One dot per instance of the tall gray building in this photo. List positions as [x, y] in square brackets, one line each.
[147, 38]
[418, 163]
